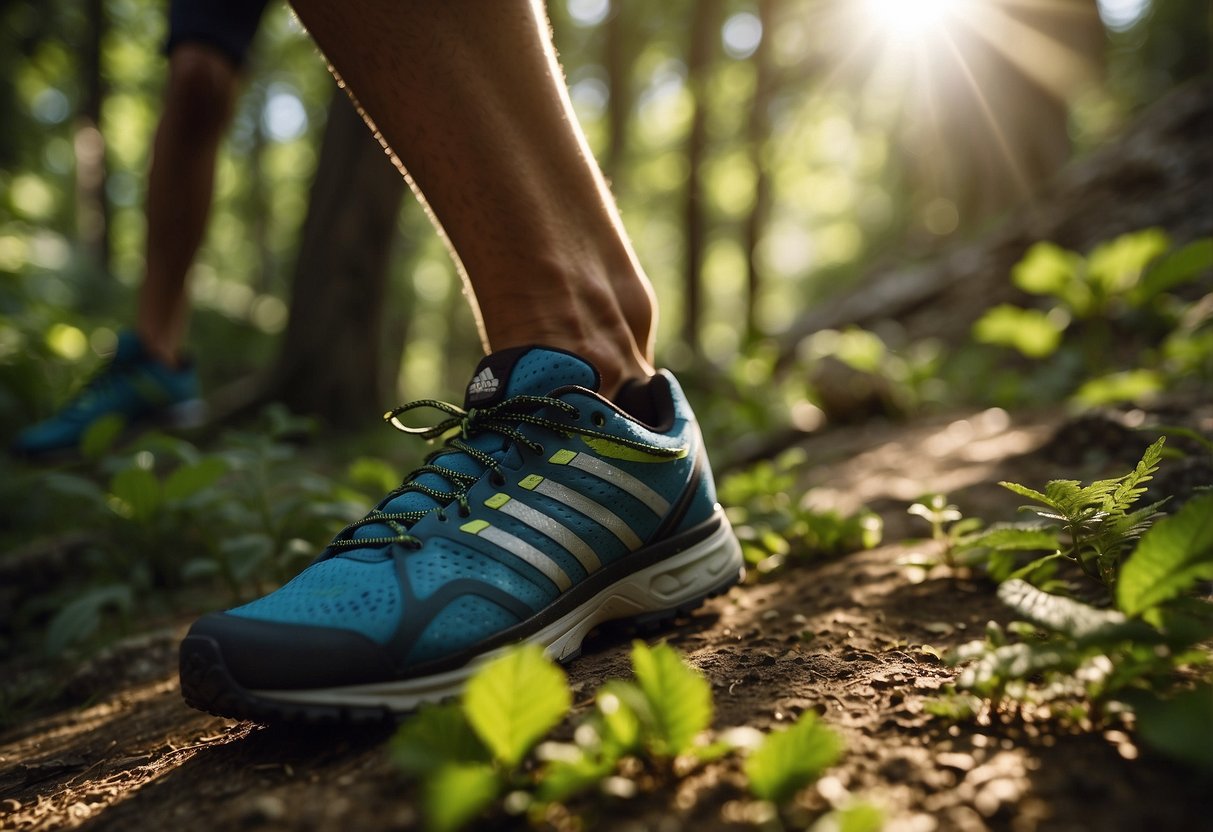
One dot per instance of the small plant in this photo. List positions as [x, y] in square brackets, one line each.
[1091, 526]
[950, 530]
[787, 761]
[775, 524]
[468, 755]
[1077, 661]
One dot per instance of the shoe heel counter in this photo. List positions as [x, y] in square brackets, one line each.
[701, 502]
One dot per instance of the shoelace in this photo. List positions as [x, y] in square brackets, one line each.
[504, 418]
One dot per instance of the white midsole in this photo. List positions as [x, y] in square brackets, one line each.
[667, 584]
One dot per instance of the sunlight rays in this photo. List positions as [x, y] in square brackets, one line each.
[954, 76]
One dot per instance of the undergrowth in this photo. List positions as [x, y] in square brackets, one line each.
[1124, 646]
[776, 525]
[486, 755]
[162, 518]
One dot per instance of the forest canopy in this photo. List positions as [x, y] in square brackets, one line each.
[765, 155]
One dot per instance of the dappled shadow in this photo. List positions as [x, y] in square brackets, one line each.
[252, 763]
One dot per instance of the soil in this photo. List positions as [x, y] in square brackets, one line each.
[855, 639]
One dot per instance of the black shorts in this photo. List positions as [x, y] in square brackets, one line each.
[227, 25]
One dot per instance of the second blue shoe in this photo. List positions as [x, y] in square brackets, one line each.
[132, 385]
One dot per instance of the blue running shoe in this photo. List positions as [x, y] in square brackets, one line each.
[133, 385]
[548, 511]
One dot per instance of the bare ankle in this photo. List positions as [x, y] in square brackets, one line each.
[579, 312]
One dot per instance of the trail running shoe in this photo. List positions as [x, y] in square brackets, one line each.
[133, 385]
[548, 511]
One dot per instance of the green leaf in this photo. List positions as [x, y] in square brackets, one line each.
[1032, 332]
[787, 761]
[196, 569]
[1061, 615]
[1126, 386]
[679, 698]
[137, 491]
[1180, 266]
[1015, 538]
[561, 779]
[1171, 557]
[514, 700]
[82, 616]
[457, 793]
[617, 702]
[246, 553]
[374, 474]
[436, 735]
[859, 349]
[100, 436]
[1047, 269]
[859, 817]
[1115, 267]
[1024, 491]
[76, 488]
[994, 668]
[188, 480]
[1179, 727]
[1128, 490]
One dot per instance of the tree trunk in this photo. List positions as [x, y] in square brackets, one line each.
[758, 131]
[705, 33]
[259, 201]
[92, 204]
[330, 363]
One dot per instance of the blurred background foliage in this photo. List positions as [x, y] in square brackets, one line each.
[764, 152]
[766, 155]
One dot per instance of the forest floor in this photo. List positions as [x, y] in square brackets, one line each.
[844, 637]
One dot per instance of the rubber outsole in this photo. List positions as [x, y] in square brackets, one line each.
[207, 685]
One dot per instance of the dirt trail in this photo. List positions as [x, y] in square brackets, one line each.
[842, 637]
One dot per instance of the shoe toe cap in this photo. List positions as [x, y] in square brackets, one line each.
[270, 655]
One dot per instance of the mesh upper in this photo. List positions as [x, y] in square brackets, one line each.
[347, 594]
[442, 562]
[464, 622]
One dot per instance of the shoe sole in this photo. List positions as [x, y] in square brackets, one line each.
[648, 598]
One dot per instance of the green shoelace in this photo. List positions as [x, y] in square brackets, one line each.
[459, 426]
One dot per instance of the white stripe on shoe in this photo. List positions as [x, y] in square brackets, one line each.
[521, 549]
[548, 527]
[615, 476]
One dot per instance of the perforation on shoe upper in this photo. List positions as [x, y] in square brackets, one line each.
[441, 561]
[348, 594]
[466, 621]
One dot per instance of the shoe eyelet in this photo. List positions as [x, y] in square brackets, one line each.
[497, 478]
[539, 450]
[598, 419]
[465, 512]
[442, 518]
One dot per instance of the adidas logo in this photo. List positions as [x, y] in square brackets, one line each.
[483, 385]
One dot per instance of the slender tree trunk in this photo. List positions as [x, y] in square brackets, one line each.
[92, 203]
[705, 33]
[263, 277]
[332, 351]
[758, 132]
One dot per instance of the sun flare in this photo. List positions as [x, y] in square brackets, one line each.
[904, 19]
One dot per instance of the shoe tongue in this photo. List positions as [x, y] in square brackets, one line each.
[526, 371]
[520, 371]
